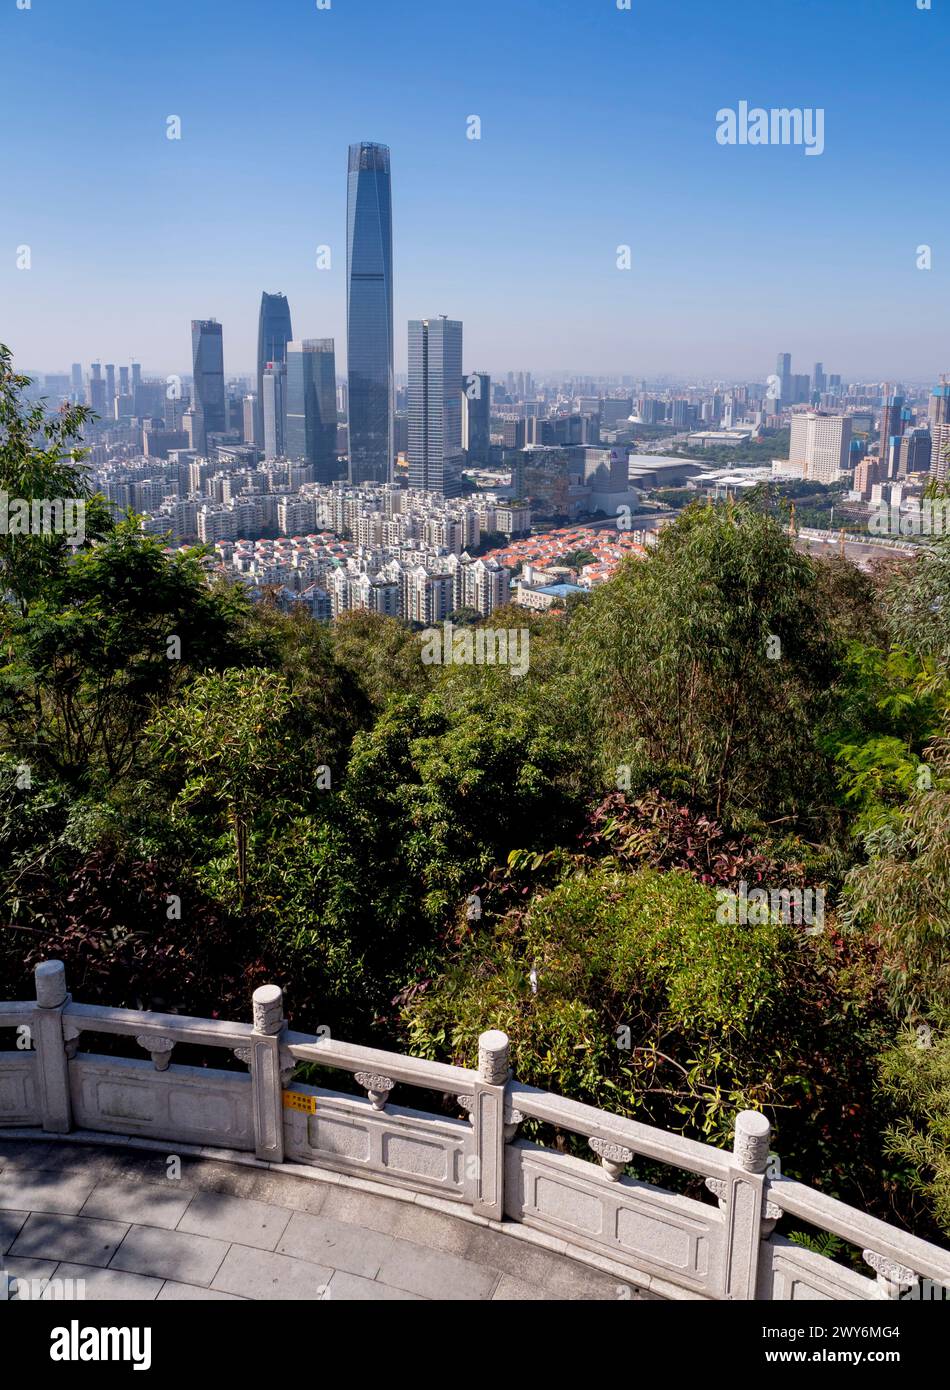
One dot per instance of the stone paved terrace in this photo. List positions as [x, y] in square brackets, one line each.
[226, 1230]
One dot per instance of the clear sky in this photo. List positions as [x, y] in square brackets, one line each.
[598, 130]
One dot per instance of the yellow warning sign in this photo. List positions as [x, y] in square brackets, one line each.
[296, 1100]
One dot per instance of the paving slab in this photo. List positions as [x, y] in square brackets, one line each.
[32, 1272]
[10, 1223]
[78, 1239]
[138, 1204]
[47, 1190]
[261, 1274]
[336, 1244]
[511, 1289]
[193, 1293]
[170, 1255]
[434, 1274]
[107, 1284]
[257, 1224]
[352, 1286]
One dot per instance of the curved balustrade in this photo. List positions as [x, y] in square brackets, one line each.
[675, 1245]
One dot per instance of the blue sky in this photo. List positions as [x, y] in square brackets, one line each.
[598, 129]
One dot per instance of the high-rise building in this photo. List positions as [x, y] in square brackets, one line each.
[369, 313]
[311, 407]
[914, 453]
[939, 411]
[783, 370]
[97, 389]
[940, 451]
[209, 404]
[435, 405]
[110, 388]
[818, 380]
[274, 390]
[821, 442]
[892, 425]
[476, 417]
[76, 383]
[273, 334]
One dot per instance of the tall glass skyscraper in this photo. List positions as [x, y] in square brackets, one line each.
[273, 334]
[369, 313]
[310, 435]
[435, 405]
[210, 406]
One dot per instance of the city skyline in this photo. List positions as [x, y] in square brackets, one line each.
[731, 249]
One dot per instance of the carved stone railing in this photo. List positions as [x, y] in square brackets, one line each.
[675, 1245]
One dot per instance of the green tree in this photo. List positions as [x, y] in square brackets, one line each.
[229, 741]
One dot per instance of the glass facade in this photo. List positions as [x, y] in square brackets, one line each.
[310, 434]
[435, 405]
[273, 334]
[369, 313]
[207, 348]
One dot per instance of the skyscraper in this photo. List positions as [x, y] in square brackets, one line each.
[110, 388]
[273, 334]
[78, 394]
[369, 313]
[476, 416]
[818, 380]
[783, 370]
[311, 407]
[435, 405]
[207, 348]
[892, 425]
[97, 389]
[822, 443]
[939, 410]
[273, 401]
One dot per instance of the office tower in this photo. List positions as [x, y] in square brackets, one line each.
[207, 349]
[818, 378]
[136, 375]
[892, 426]
[78, 393]
[273, 334]
[783, 370]
[939, 410]
[274, 388]
[97, 390]
[914, 453]
[123, 381]
[435, 405]
[110, 387]
[939, 451]
[822, 443]
[800, 388]
[476, 416]
[369, 313]
[248, 419]
[310, 433]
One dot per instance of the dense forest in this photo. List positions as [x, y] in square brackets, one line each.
[199, 793]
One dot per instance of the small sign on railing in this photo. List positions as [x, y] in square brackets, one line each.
[296, 1100]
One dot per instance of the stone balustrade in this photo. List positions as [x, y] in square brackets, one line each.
[682, 1247]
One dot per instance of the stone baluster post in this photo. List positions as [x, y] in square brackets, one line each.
[488, 1119]
[267, 1103]
[52, 1065]
[744, 1196]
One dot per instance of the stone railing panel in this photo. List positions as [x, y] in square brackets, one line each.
[634, 1223]
[19, 1102]
[788, 1272]
[400, 1146]
[194, 1105]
